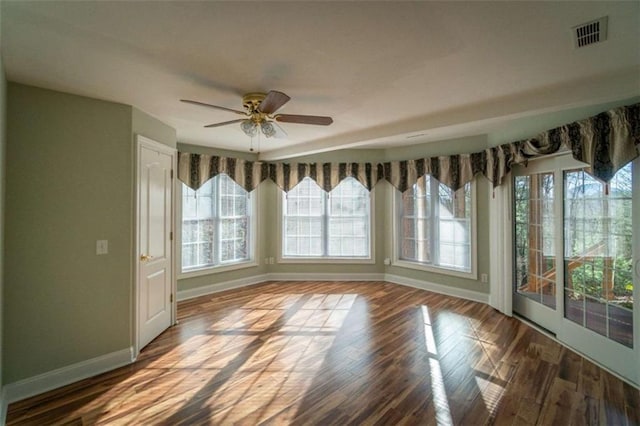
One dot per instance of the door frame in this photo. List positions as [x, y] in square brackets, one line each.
[140, 142]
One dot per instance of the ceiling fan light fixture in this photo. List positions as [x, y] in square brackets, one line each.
[259, 112]
[249, 128]
[268, 129]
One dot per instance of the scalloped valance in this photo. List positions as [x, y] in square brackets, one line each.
[606, 142]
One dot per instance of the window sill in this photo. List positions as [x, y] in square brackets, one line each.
[327, 260]
[217, 269]
[435, 269]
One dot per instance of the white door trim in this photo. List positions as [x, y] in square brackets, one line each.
[501, 248]
[141, 142]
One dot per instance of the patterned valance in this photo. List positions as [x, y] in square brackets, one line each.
[195, 169]
[606, 142]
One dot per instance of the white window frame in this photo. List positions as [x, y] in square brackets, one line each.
[326, 259]
[404, 263]
[227, 266]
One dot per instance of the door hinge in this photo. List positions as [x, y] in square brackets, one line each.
[171, 173]
[171, 236]
[171, 298]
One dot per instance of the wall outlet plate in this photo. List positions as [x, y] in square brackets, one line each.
[102, 247]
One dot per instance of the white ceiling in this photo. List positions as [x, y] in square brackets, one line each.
[389, 73]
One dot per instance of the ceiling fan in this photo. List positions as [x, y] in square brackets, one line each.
[259, 109]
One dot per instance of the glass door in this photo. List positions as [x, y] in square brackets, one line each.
[576, 269]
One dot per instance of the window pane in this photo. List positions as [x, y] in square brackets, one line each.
[205, 254]
[205, 207]
[240, 205]
[574, 306]
[188, 255]
[189, 231]
[189, 204]
[226, 250]
[206, 230]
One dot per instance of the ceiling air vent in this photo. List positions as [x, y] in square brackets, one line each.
[590, 33]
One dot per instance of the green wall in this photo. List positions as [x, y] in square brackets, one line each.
[3, 109]
[69, 182]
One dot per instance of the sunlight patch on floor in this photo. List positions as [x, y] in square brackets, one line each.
[440, 400]
[430, 341]
[491, 393]
[295, 352]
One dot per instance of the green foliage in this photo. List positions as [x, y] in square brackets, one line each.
[589, 278]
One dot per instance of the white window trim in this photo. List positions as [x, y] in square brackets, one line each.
[371, 259]
[227, 266]
[403, 263]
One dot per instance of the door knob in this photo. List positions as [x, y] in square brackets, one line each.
[145, 257]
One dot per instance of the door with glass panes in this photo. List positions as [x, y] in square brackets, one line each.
[575, 262]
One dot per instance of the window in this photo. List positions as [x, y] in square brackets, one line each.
[216, 224]
[434, 226]
[327, 225]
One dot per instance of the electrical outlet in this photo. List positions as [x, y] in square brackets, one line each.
[266, 260]
[387, 261]
[484, 278]
[102, 247]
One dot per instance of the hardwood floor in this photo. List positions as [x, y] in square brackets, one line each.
[342, 353]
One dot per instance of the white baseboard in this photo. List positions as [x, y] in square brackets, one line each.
[63, 376]
[257, 279]
[293, 276]
[221, 286]
[475, 296]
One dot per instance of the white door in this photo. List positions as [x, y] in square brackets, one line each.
[155, 275]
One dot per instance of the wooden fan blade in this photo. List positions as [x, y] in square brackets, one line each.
[304, 119]
[224, 123]
[213, 106]
[273, 102]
